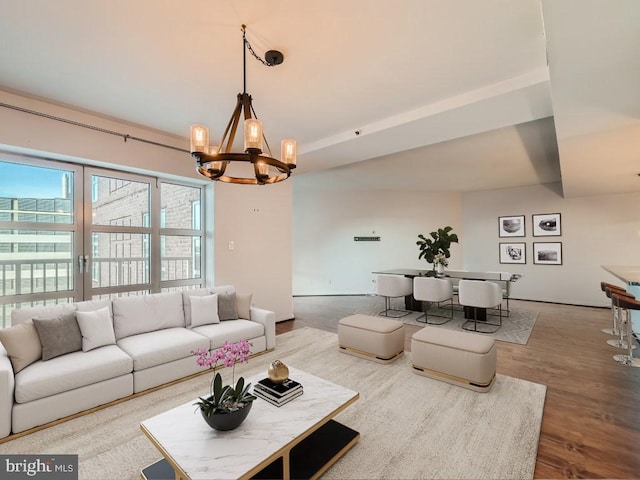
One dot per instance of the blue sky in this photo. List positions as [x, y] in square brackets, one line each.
[26, 181]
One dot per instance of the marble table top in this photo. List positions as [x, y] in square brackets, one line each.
[201, 452]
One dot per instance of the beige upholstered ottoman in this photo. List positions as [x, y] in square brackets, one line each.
[375, 338]
[460, 358]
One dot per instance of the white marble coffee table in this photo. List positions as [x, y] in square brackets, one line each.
[296, 440]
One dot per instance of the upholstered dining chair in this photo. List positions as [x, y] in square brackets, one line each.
[434, 290]
[480, 294]
[393, 286]
[504, 286]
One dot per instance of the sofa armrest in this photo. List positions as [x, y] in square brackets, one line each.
[268, 319]
[7, 386]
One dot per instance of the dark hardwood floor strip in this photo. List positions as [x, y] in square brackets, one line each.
[591, 421]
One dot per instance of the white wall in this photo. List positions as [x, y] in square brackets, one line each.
[326, 258]
[258, 219]
[596, 231]
[26, 133]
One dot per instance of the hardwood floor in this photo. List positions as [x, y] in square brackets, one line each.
[591, 421]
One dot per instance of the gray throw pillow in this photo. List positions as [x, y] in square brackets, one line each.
[227, 309]
[59, 335]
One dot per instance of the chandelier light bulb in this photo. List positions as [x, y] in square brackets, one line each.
[199, 138]
[288, 151]
[263, 168]
[252, 134]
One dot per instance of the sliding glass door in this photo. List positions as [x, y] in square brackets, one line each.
[40, 234]
[69, 233]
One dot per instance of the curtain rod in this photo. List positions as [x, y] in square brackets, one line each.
[92, 127]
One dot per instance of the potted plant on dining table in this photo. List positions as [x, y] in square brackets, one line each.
[436, 250]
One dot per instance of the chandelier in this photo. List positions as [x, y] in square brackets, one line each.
[212, 160]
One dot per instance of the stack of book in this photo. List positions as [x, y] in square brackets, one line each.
[277, 393]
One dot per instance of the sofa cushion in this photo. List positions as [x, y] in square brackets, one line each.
[22, 344]
[227, 309]
[243, 304]
[97, 328]
[59, 335]
[67, 372]
[146, 313]
[92, 305]
[226, 289]
[19, 315]
[162, 346]
[231, 330]
[186, 301]
[204, 310]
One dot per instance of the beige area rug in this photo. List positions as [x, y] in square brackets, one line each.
[411, 426]
[516, 328]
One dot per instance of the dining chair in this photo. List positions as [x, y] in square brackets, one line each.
[393, 286]
[478, 294]
[433, 290]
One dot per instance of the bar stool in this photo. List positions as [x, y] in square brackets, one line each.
[627, 304]
[392, 286]
[607, 288]
[621, 317]
[435, 290]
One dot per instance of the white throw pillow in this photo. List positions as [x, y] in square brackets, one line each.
[96, 328]
[204, 310]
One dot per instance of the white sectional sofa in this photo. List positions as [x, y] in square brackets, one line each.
[128, 345]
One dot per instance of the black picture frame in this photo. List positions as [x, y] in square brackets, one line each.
[511, 226]
[547, 253]
[512, 252]
[546, 225]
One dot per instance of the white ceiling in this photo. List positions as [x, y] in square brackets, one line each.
[457, 90]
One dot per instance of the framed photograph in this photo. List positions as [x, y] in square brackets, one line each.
[513, 253]
[547, 253]
[546, 225]
[511, 226]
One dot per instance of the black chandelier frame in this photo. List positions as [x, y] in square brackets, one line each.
[214, 165]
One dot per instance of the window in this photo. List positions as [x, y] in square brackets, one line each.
[181, 235]
[55, 249]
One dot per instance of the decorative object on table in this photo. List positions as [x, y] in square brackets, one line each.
[277, 393]
[511, 226]
[278, 372]
[439, 243]
[227, 406]
[440, 261]
[513, 253]
[547, 253]
[546, 225]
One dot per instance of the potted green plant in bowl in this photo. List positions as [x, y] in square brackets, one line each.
[435, 250]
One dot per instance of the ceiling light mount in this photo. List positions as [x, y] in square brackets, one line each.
[213, 160]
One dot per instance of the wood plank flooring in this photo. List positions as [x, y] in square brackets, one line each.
[591, 421]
